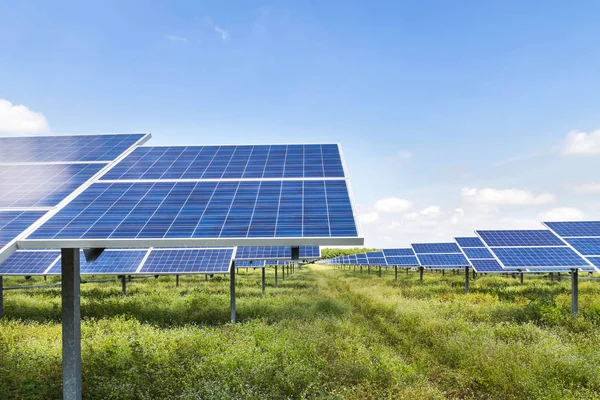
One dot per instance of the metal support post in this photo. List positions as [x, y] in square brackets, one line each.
[421, 274]
[71, 324]
[551, 277]
[380, 271]
[574, 292]
[369, 269]
[276, 276]
[176, 280]
[395, 272]
[206, 277]
[558, 276]
[361, 268]
[123, 285]
[474, 274]
[264, 281]
[443, 272]
[466, 279]
[407, 271]
[232, 292]
[521, 277]
[1, 298]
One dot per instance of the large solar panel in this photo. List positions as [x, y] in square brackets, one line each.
[231, 162]
[110, 262]
[400, 257]
[575, 228]
[375, 258]
[398, 252]
[79, 148]
[480, 257]
[197, 210]
[189, 261]
[433, 248]
[531, 249]
[440, 255]
[42, 185]
[29, 262]
[13, 223]
[275, 252]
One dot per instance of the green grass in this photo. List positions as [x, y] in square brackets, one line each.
[324, 333]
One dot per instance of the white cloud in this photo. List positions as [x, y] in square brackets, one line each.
[17, 119]
[582, 143]
[217, 29]
[431, 210]
[393, 205]
[369, 217]
[403, 155]
[588, 188]
[562, 214]
[513, 197]
[175, 38]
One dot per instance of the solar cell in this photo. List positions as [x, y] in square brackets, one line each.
[433, 248]
[30, 262]
[189, 261]
[594, 260]
[443, 260]
[402, 260]
[586, 246]
[66, 148]
[13, 223]
[42, 185]
[262, 252]
[477, 253]
[575, 228]
[487, 266]
[196, 210]
[110, 262]
[250, 263]
[511, 238]
[361, 259]
[310, 252]
[469, 242]
[398, 252]
[231, 162]
[524, 257]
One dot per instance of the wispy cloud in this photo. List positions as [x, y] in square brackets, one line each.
[223, 33]
[175, 38]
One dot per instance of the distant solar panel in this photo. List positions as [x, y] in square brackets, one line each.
[276, 252]
[398, 252]
[80, 148]
[361, 259]
[189, 261]
[487, 266]
[512, 238]
[480, 257]
[575, 228]
[310, 252]
[42, 185]
[443, 260]
[110, 262]
[433, 248]
[231, 162]
[13, 223]
[195, 210]
[469, 242]
[30, 262]
[477, 253]
[250, 263]
[402, 261]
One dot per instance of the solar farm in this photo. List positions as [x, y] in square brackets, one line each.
[206, 271]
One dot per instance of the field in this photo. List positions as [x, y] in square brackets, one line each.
[323, 333]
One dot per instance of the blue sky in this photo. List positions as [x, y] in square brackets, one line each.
[452, 115]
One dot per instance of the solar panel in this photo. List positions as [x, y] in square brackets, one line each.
[443, 260]
[537, 237]
[477, 253]
[469, 242]
[482, 260]
[361, 259]
[310, 252]
[398, 252]
[277, 262]
[189, 261]
[110, 262]
[251, 263]
[196, 210]
[531, 249]
[585, 246]
[231, 162]
[275, 252]
[30, 262]
[13, 223]
[80, 148]
[575, 228]
[42, 185]
[433, 248]
[488, 266]
[402, 260]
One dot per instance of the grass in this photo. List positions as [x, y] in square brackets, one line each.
[323, 333]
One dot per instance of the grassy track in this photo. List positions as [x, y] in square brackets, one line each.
[323, 333]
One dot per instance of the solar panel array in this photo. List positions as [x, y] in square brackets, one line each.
[440, 255]
[276, 252]
[188, 261]
[531, 249]
[307, 198]
[250, 263]
[479, 256]
[583, 236]
[400, 257]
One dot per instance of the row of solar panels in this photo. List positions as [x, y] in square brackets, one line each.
[562, 247]
[150, 261]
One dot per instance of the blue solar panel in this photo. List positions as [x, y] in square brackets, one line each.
[477, 253]
[308, 252]
[594, 260]
[42, 185]
[230, 209]
[519, 257]
[585, 246]
[277, 262]
[361, 259]
[433, 248]
[575, 228]
[469, 242]
[537, 237]
[231, 162]
[32, 262]
[65, 148]
[13, 223]
[402, 260]
[443, 260]
[487, 266]
[110, 262]
[275, 252]
[188, 261]
[398, 252]
[250, 263]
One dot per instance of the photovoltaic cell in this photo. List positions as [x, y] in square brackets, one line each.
[42, 185]
[31, 262]
[262, 252]
[398, 252]
[433, 248]
[309, 252]
[469, 242]
[585, 246]
[250, 263]
[189, 261]
[110, 262]
[477, 253]
[13, 223]
[519, 257]
[487, 266]
[230, 209]
[231, 162]
[512, 238]
[361, 259]
[402, 260]
[65, 148]
[443, 260]
[575, 228]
